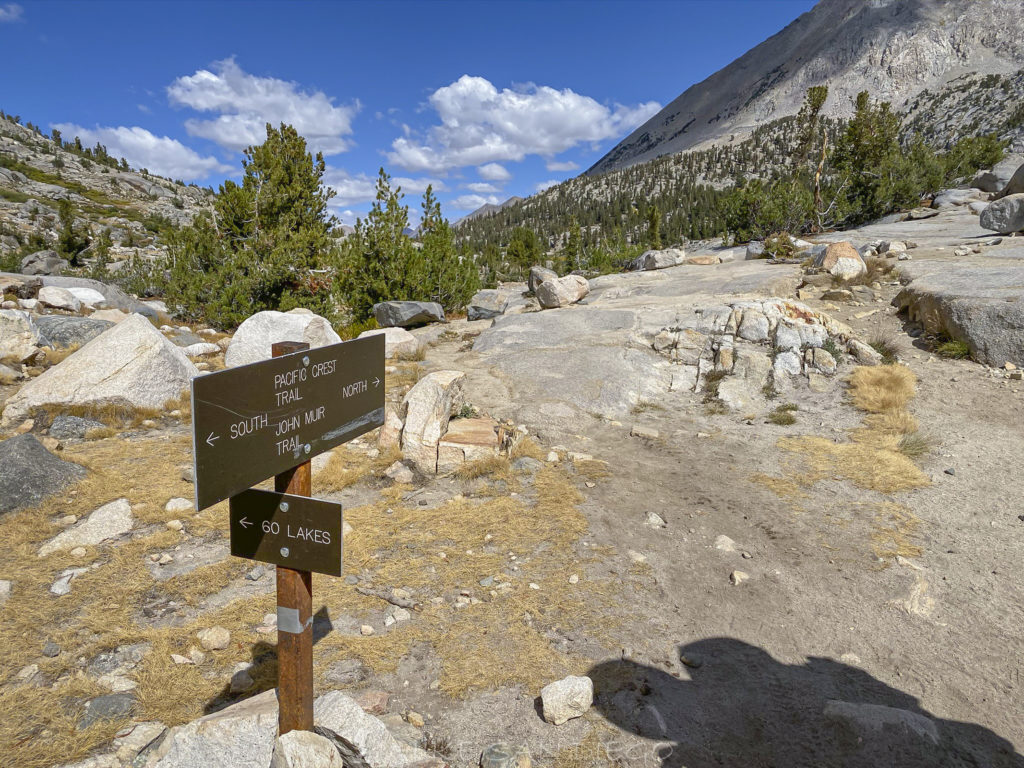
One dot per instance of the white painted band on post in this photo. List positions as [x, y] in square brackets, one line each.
[288, 621]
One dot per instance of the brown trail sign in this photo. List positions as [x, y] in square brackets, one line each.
[283, 529]
[271, 418]
[255, 421]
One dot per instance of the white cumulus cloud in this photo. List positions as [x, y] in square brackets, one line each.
[353, 189]
[540, 186]
[568, 165]
[245, 103]
[494, 172]
[480, 124]
[160, 154]
[10, 12]
[482, 187]
[472, 202]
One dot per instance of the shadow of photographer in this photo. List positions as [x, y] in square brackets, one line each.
[743, 709]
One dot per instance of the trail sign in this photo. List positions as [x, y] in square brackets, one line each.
[258, 420]
[294, 531]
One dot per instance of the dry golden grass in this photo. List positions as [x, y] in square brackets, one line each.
[589, 753]
[497, 467]
[399, 543]
[348, 466]
[871, 461]
[893, 530]
[526, 447]
[882, 388]
[119, 416]
[56, 355]
[405, 375]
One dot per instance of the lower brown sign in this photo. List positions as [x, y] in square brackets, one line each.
[294, 531]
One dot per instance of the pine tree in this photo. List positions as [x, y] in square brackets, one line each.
[654, 227]
[268, 245]
[451, 278]
[380, 262]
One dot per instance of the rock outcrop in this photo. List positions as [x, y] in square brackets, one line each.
[131, 365]
[670, 257]
[841, 260]
[427, 408]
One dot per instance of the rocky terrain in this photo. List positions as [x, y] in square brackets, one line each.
[895, 49]
[132, 207]
[718, 510]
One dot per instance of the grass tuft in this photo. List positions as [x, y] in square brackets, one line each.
[882, 388]
[952, 349]
[784, 416]
[886, 347]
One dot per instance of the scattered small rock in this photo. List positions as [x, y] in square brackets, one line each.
[415, 719]
[177, 505]
[644, 432]
[738, 577]
[51, 649]
[366, 630]
[214, 638]
[950, 471]
[725, 544]
[566, 699]
[654, 520]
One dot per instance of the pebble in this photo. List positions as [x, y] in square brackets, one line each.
[654, 520]
[725, 544]
[534, 586]
[401, 614]
[165, 559]
[738, 577]
[351, 579]
[637, 557]
[644, 432]
[415, 719]
[79, 552]
[51, 649]
[214, 638]
[67, 520]
[950, 471]
[574, 579]
[255, 574]
[552, 457]
[179, 659]
[487, 581]
[175, 525]
[590, 484]
[366, 630]
[178, 505]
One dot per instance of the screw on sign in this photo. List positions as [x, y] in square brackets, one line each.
[269, 419]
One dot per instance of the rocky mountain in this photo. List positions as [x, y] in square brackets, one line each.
[133, 207]
[489, 208]
[895, 49]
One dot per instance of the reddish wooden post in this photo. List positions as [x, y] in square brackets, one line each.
[294, 609]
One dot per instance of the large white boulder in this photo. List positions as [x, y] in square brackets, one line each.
[841, 260]
[88, 296]
[242, 736]
[19, 336]
[562, 291]
[427, 408]
[649, 260]
[398, 342]
[58, 298]
[338, 713]
[255, 337]
[132, 364]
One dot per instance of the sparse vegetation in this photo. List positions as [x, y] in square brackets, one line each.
[784, 415]
[952, 349]
[885, 345]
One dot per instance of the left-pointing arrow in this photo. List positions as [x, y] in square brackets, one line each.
[211, 438]
[244, 523]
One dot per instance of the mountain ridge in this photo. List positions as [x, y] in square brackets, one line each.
[895, 49]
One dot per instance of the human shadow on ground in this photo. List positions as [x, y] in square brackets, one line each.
[263, 667]
[743, 709]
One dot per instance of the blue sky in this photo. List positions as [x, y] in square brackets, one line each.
[482, 99]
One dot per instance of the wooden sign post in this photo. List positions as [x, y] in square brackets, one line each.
[270, 419]
[294, 608]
